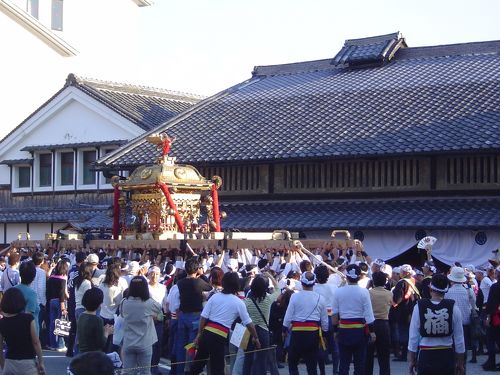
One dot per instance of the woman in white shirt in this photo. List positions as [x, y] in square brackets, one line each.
[83, 282]
[112, 287]
[157, 292]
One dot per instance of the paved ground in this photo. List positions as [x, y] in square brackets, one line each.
[56, 364]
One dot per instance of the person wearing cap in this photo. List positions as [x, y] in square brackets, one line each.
[305, 318]
[97, 274]
[405, 295]
[492, 322]
[353, 321]
[419, 277]
[436, 332]
[428, 269]
[464, 299]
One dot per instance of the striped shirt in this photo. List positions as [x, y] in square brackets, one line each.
[265, 307]
[39, 286]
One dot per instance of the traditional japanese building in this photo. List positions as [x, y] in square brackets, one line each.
[47, 176]
[388, 141]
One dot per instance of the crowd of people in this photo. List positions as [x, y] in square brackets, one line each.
[333, 306]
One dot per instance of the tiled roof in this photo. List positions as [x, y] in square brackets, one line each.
[425, 100]
[117, 142]
[372, 214]
[97, 221]
[50, 214]
[470, 213]
[368, 51]
[147, 107]
[16, 161]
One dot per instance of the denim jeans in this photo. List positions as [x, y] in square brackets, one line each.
[187, 329]
[56, 342]
[155, 358]
[138, 357]
[256, 363]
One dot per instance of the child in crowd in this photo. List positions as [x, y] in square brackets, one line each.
[91, 332]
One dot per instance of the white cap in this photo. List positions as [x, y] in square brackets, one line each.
[405, 268]
[396, 270]
[133, 267]
[92, 258]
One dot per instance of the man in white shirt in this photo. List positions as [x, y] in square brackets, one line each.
[305, 317]
[353, 320]
[435, 330]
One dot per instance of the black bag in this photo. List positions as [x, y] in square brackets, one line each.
[476, 327]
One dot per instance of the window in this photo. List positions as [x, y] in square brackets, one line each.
[57, 15]
[67, 170]
[106, 151]
[89, 176]
[32, 7]
[23, 177]
[45, 170]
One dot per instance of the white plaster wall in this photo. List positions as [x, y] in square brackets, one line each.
[78, 119]
[38, 230]
[75, 123]
[13, 230]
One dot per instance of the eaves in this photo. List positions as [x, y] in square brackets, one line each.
[37, 29]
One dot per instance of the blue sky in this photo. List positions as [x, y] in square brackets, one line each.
[203, 46]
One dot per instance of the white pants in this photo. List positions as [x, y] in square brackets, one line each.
[20, 367]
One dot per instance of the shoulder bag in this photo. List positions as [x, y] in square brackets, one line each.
[476, 327]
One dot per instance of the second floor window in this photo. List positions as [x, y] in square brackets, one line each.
[23, 177]
[67, 168]
[89, 176]
[57, 15]
[45, 170]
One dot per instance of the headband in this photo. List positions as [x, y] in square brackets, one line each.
[305, 281]
[439, 290]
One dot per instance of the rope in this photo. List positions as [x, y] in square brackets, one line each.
[193, 360]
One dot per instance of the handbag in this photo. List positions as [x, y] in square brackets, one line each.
[476, 327]
[119, 326]
[62, 326]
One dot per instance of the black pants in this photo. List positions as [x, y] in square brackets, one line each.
[492, 341]
[436, 362]
[352, 348]
[211, 346]
[303, 345]
[382, 346]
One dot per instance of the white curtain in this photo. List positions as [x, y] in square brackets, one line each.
[451, 246]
